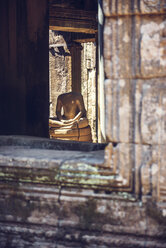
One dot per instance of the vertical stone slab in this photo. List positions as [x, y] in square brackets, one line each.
[75, 50]
[152, 107]
[135, 110]
[119, 121]
[88, 84]
[134, 46]
[137, 168]
[24, 67]
[121, 47]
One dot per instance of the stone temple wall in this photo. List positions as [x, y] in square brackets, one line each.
[88, 84]
[59, 68]
[113, 197]
[135, 88]
[63, 194]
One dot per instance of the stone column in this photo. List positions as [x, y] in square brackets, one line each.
[88, 84]
[75, 50]
[135, 89]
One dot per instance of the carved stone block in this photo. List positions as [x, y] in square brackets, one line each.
[150, 172]
[135, 111]
[135, 47]
[152, 41]
[118, 47]
[118, 110]
[139, 168]
[127, 161]
[147, 169]
[133, 7]
[151, 108]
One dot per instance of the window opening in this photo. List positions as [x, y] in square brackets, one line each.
[73, 61]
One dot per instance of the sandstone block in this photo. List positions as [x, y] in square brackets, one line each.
[133, 7]
[118, 110]
[138, 168]
[151, 107]
[117, 47]
[135, 111]
[135, 47]
[152, 40]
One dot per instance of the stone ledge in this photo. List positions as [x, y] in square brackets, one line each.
[54, 167]
[51, 195]
[121, 167]
[45, 143]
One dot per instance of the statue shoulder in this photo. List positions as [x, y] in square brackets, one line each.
[70, 96]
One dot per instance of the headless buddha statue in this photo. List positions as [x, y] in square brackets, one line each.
[72, 124]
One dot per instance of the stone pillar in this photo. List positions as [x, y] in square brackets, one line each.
[76, 66]
[88, 84]
[135, 89]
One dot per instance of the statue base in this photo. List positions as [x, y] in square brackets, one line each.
[78, 131]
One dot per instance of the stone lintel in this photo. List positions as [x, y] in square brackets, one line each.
[70, 20]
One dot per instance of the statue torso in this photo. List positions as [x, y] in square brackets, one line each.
[70, 104]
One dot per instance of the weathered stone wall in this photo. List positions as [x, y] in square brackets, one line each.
[88, 84]
[113, 198]
[56, 198]
[60, 78]
[135, 69]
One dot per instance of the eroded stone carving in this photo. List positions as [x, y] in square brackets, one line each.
[114, 7]
[151, 4]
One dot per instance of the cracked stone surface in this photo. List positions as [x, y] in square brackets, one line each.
[50, 195]
[56, 156]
